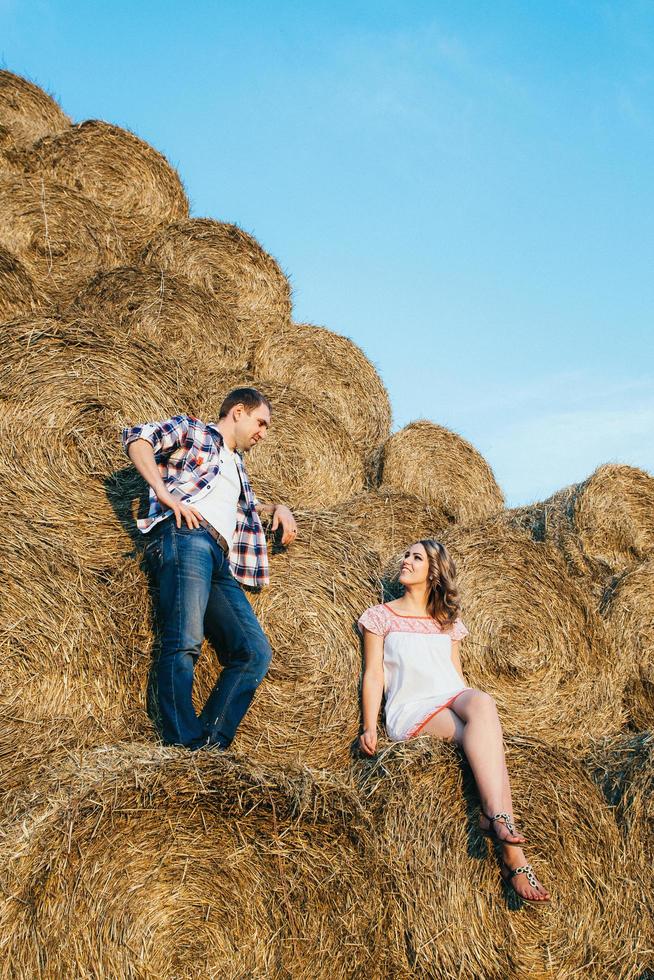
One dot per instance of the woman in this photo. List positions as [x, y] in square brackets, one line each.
[411, 649]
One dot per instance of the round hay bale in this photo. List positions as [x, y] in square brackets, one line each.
[602, 526]
[307, 460]
[629, 611]
[218, 257]
[623, 768]
[313, 359]
[60, 237]
[441, 468]
[153, 863]
[390, 520]
[116, 169]
[165, 310]
[65, 673]
[27, 112]
[447, 913]
[536, 644]
[17, 291]
[64, 397]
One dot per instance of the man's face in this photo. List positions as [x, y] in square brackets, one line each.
[250, 427]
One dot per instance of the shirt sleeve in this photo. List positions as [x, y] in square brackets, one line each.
[164, 436]
[374, 620]
[458, 630]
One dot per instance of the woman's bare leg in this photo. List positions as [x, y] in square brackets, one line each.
[472, 722]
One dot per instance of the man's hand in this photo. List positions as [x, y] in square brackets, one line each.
[282, 517]
[180, 510]
[368, 741]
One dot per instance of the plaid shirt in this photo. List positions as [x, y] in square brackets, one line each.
[187, 453]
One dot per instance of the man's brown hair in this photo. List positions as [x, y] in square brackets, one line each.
[249, 398]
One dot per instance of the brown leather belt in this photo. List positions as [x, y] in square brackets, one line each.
[216, 535]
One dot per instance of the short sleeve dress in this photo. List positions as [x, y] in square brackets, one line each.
[419, 677]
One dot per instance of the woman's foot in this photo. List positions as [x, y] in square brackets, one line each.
[500, 827]
[520, 876]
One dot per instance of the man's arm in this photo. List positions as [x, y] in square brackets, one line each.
[141, 454]
[281, 516]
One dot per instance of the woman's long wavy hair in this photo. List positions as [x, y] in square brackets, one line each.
[443, 601]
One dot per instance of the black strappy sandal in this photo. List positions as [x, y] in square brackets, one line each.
[525, 869]
[504, 818]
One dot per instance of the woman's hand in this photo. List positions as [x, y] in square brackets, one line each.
[368, 741]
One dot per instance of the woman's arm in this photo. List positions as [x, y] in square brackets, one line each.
[456, 659]
[373, 688]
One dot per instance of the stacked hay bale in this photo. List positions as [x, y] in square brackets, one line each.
[120, 309]
[145, 863]
[629, 610]
[440, 467]
[114, 168]
[602, 526]
[26, 114]
[446, 910]
[217, 257]
[623, 768]
[59, 236]
[536, 643]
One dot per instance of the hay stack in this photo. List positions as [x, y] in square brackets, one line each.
[26, 112]
[603, 526]
[389, 520]
[65, 673]
[152, 863]
[218, 257]
[623, 767]
[448, 915]
[144, 303]
[441, 468]
[629, 609]
[535, 643]
[330, 368]
[114, 168]
[17, 292]
[64, 397]
[60, 237]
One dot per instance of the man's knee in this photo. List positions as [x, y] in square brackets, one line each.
[259, 657]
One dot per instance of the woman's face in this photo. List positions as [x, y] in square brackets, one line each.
[415, 566]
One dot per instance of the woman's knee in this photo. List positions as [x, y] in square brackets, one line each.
[479, 702]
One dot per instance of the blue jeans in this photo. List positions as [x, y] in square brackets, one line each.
[198, 596]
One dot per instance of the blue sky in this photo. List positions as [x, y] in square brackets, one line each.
[464, 189]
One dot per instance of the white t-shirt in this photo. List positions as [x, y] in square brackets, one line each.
[218, 507]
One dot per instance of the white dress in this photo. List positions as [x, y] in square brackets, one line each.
[419, 677]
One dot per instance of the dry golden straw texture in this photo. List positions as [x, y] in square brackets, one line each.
[148, 304]
[17, 292]
[389, 520]
[441, 468]
[603, 525]
[114, 167]
[26, 112]
[59, 236]
[447, 913]
[333, 371]
[629, 610]
[536, 643]
[151, 864]
[216, 257]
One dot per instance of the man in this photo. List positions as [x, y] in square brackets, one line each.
[205, 541]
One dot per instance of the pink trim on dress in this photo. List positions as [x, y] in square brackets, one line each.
[417, 728]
